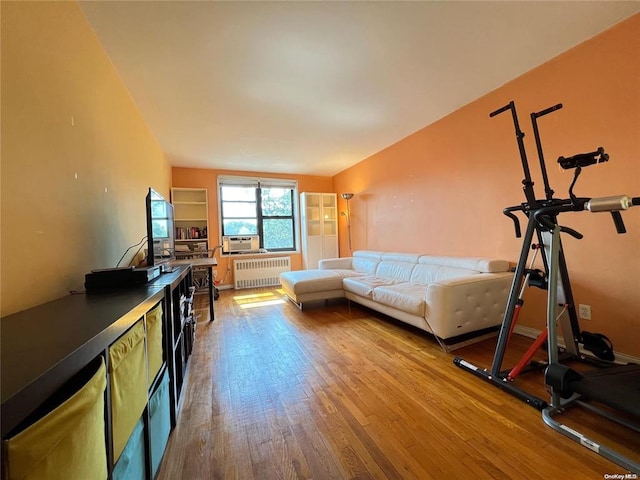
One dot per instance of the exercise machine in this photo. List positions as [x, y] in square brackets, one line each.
[617, 387]
[503, 378]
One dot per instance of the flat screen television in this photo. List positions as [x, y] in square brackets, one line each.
[160, 230]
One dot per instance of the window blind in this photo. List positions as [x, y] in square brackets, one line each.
[254, 182]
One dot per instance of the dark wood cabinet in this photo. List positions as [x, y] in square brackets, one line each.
[46, 349]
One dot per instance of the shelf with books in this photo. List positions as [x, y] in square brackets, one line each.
[191, 213]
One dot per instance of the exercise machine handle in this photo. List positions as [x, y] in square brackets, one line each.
[527, 183]
[618, 222]
[536, 134]
[572, 232]
[502, 109]
[546, 216]
[613, 205]
[546, 221]
[546, 111]
[516, 222]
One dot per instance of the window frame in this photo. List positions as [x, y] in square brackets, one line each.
[258, 184]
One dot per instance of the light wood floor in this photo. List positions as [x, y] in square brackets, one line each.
[337, 393]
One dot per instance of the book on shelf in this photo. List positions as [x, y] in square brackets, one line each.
[191, 233]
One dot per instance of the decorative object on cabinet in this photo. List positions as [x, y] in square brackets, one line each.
[319, 227]
[347, 216]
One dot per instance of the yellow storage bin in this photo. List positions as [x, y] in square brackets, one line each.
[67, 443]
[128, 381]
[154, 342]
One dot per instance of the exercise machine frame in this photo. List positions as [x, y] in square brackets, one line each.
[569, 322]
[543, 222]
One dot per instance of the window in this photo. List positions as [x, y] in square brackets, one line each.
[264, 207]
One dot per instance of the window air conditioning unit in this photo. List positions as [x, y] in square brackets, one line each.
[240, 244]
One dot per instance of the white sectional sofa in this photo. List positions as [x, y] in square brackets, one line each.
[446, 296]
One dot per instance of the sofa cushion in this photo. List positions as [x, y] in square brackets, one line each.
[485, 265]
[366, 261]
[396, 270]
[365, 266]
[363, 286]
[426, 274]
[408, 297]
[347, 273]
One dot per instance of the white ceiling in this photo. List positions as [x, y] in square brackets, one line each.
[315, 87]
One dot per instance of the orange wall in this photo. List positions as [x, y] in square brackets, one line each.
[208, 178]
[442, 189]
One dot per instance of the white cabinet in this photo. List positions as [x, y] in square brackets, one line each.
[319, 212]
[191, 213]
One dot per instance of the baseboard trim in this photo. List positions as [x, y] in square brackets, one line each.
[530, 332]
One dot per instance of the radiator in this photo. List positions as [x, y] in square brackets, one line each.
[259, 272]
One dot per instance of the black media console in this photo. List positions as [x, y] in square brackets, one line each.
[45, 349]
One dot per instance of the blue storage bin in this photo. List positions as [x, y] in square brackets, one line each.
[160, 422]
[132, 464]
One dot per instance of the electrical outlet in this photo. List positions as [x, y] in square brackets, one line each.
[584, 311]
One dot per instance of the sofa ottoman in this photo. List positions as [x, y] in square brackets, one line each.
[307, 285]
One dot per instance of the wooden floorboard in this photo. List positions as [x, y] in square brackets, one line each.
[339, 392]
